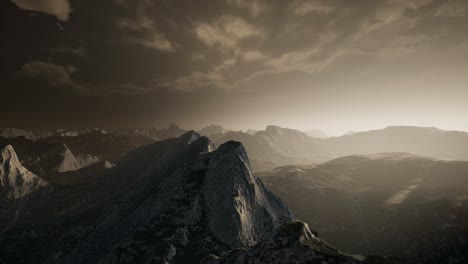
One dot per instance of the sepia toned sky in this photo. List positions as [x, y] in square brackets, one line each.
[334, 65]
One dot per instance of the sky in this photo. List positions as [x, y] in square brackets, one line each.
[333, 65]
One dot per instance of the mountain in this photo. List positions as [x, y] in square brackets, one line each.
[16, 181]
[46, 158]
[276, 146]
[17, 184]
[176, 200]
[349, 133]
[395, 204]
[426, 141]
[37, 134]
[212, 130]
[315, 133]
[293, 243]
[30, 134]
[74, 133]
[251, 131]
[110, 146]
[171, 132]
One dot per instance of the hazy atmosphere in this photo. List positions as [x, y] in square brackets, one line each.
[332, 65]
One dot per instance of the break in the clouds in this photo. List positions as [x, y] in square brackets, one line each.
[299, 63]
[59, 8]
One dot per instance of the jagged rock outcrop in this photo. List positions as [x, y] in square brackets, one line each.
[16, 181]
[72, 162]
[294, 243]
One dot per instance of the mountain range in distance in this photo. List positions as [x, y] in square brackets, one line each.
[272, 147]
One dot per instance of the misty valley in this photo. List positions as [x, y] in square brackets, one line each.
[147, 195]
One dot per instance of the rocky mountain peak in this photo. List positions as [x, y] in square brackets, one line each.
[8, 155]
[236, 198]
[233, 148]
[72, 162]
[189, 137]
[16, 181]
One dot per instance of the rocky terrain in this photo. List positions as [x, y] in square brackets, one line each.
[177, 200]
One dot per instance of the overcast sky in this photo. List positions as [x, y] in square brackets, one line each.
[334, 65]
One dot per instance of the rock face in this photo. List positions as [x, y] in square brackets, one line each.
[173, 201]
[231, 190]
[16, 181]
[293, 243]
